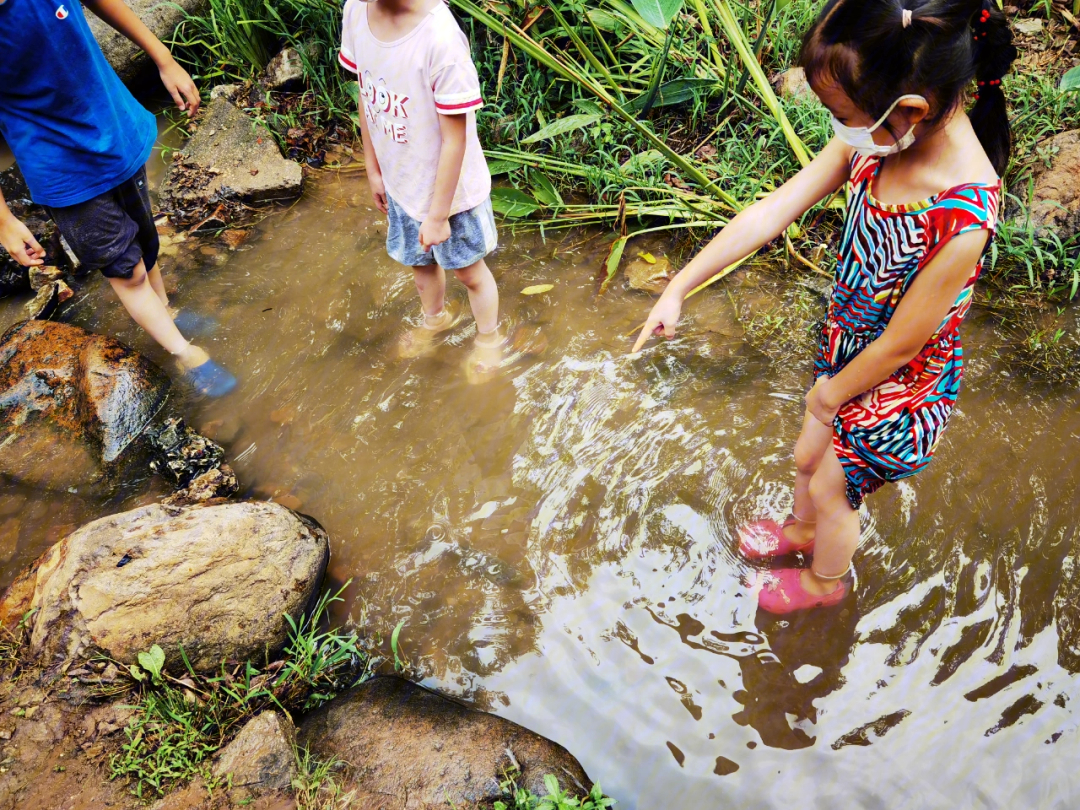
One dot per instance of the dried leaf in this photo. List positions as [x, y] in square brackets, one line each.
[538, 289]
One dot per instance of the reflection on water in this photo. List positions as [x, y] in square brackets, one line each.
[560, 541]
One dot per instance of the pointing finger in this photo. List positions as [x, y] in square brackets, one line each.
[646, 333]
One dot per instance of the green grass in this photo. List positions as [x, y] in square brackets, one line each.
[179, 723]
[519, 798]
[316, 786]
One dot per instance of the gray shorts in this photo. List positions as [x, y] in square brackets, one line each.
[112, 231]
[472, 237]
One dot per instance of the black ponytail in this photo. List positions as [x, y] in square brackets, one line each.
[994, 55]
[878, 50]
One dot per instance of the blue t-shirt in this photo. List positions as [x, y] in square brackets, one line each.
[74, 128]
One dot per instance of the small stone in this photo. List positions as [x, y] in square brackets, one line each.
[792, 85]
[260, 758]
[235, 238]
[285, 71]
[5, 734]
[40, 276]
[111, 673]
[227, 91]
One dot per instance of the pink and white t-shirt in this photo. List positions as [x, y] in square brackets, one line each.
[404, 86]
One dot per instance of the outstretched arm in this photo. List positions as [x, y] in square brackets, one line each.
[918, 315]
[749, 230]
[116, 14]
[17, 239]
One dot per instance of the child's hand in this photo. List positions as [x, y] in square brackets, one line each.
[662, 319]
[820, 402]
[434, 232]
[378, 190]
[20, 243]
[180, 87]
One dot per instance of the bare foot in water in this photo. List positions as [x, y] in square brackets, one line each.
[421, 340]
[486, 358]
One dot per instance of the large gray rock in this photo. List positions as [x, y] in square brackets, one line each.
[71, 402]
[1055, 205]
[409, 747]
[130, 62]
[216, 580]
[230, 157]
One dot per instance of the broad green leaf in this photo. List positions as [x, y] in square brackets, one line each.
[497, 167]
[552, 784]
[648, 257]
[1070, 82]
[658, 12]
[153, 661]
[643, 160]
[677, 91]
[544, 190]
[353, 89]
[136, 673]
[538, 289]
[613, 259]
[568, 124]
[603, 20]
[512, 202]
[398, 659]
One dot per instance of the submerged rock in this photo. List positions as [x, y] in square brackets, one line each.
[405, 743]
[650, 277]
[71, 402]
[230, 157]
[214, 580]
[1055, 196]
[128, 60]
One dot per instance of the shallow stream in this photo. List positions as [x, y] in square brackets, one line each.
[560, 540]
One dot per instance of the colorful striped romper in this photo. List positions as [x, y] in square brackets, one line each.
[890, 432]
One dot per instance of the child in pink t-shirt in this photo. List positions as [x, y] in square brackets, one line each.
[419, 93]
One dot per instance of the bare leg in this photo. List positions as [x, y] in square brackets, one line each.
[483, 296]
[158, 283]
[838, 526]
[431, 284]
[139, 298]
[810, 448]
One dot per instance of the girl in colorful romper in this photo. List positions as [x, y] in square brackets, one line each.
[419, 93]
[921, 175]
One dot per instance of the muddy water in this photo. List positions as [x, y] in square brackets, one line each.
[560, 540]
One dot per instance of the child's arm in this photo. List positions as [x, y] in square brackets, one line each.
[749, 230]
[435, 228]
[17, 239]
[176, 80]
[918, 315]
[371, 165]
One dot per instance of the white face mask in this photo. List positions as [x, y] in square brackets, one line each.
[861, 139]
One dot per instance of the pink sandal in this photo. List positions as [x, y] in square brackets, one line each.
[783, 592]
[765, 538]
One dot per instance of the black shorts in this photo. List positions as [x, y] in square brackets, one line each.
[112, 231]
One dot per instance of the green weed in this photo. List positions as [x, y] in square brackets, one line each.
[179, 723]
[556, 799]
[316, 786]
